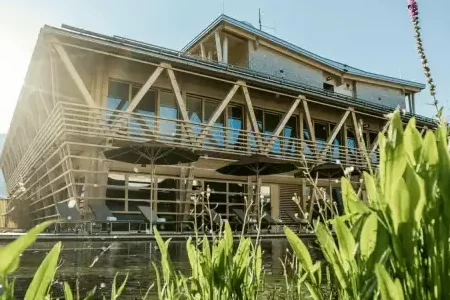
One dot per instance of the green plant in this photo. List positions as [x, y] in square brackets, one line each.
[403, 231]
[39, 287]
[218, 270]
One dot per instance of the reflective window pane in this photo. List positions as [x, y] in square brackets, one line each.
[217, 132]
[235, 124]
[194, 109]
[168, 110]
[118, 98]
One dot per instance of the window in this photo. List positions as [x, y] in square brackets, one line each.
[217, 132]
[168, 111]
[290, 133]
[328, 87]
[321, 132]
[146, 109]
[267, 123]
[118, 98]
[195, 113]
[235, 124]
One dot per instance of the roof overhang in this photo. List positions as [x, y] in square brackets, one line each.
[344, 71]
[133, 50]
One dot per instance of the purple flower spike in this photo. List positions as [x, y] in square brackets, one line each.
[413, 8]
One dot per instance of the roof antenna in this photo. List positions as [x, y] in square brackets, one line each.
[260, 24]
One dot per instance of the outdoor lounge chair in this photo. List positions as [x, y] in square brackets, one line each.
[243, 219]
[103, 215]
[152, 218]
[68, 215]
[295, 218]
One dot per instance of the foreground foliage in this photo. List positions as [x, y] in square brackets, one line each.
[218, 270]
[396, 245]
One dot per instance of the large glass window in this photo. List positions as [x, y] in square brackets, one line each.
[218, 196]
[115, 192]
[321, 133]
[217, 132]
[290, 135]
[118, 98]
[145, 121]
[235, 124]
[195, 112]
[168, 110]
[306, 140]
[271, 121]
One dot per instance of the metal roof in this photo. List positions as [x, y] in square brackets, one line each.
[328, 62]
[139, 48]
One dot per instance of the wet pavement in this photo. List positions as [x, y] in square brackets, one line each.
[96, 263]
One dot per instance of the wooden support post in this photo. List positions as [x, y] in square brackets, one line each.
[219, 110]
[177, 92]
[210, 55]
[144, 89]
[218, 46]
[282, 123]
[75, 76]
[252, 116]
[225, 50]
[335, 132]
[310, 125]
[202, 51]
[359, 136]
[413, 101]
[374, 145]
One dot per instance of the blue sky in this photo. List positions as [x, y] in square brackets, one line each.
[374, 35]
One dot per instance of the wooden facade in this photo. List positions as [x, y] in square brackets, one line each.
[86, 92]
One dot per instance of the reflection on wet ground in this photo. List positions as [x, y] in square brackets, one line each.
[77, 262]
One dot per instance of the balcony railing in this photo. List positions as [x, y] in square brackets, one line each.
[104, 123]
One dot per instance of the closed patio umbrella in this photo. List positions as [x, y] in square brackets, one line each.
[151, 153]
[257, 165]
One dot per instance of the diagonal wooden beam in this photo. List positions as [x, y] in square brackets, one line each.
[359, 140]
[252, 116]
[219, 110]
[375, 143]
[283, 122]
[335, 132]
[177, 92]
[75, 76]
[144, 89]
[309, 123]
[218, 46]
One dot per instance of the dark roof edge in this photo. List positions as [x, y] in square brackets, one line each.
[240, 73]
[292, 47]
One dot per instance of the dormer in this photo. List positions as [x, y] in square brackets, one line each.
[236, 43]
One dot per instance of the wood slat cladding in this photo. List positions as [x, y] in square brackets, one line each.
[286, 203]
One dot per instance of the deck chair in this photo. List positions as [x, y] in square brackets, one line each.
[68, 215]
[296, 219]
[103, 215]
[151, 217]
[243, 219]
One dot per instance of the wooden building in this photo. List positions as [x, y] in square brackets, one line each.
[232, 91]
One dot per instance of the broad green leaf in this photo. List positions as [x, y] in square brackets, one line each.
[10, 253]
[330, 251]
[389, 289]
[352, 204]
[413, 142]
[417, 194]
[444, 167]
[368, 238]
[90, 295]
[67, 292]
[371, 188]
[400, 205]
[43, 277]
[115, 293]
[346, 243]
[300, 249]
[258, 263]
[392, 157]
[314, 291]
[429, 150]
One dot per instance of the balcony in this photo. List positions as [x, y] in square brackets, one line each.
[99, 124]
